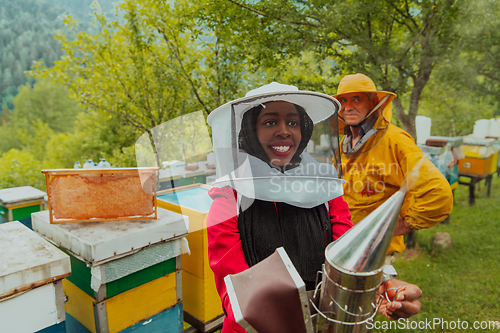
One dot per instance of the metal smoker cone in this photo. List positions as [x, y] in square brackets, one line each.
[353, 271]
[364, 247]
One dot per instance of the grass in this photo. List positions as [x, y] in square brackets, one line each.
[462, 282]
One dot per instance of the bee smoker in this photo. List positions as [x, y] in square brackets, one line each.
[354, 270]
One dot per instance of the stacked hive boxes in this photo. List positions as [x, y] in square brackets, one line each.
[454, 145]
[31, 292]
[202, 306]
[18, 203]
[126, 270]
[481, 157]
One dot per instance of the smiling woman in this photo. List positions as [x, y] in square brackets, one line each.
[278, 131]
[263, 136]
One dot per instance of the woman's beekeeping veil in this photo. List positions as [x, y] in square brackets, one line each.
[308, 184]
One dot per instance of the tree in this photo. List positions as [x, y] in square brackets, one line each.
[45, 102]
[397, 43]
[18, 168]
[451, 108]
[156, 66]
[481, 45]
[5, 119]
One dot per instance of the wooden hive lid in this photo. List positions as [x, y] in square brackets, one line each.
[19, 194]
[28, 260]
[98, 242]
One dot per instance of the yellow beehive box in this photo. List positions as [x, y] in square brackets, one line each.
[201, 300]
[493, 163]
[478, 167]
[477, 151]
[122, 310]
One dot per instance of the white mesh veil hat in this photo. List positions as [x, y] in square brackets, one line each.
[308, 185]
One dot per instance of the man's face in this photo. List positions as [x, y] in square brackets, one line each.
[278, 131]
[355, 107]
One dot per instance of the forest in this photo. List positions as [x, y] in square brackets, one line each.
[81, 79]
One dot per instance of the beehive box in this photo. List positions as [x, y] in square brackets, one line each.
[478, 167]
[18, 203]
[202, 305]
[127, 274]
[480, 157]
[79, 195]
[31, 270]
[494, 163]
[455, 144]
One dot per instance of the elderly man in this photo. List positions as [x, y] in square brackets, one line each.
[377, 157]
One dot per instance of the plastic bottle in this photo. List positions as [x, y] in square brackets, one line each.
[77, 165]
[103, 164]
[88, 164]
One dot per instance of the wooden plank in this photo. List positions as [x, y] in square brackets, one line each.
[152, 217]
[24, 212]
[57, 172]
[133, 306]
[38, 305]
[200, 297]
[24, 203]
[15, 195]
[168, 321]
[79, 305]
[194, 262]
[213, 303]
[474, 166]
[101, 242]
[81, 275]
[32, 285]
[139, 278]
[28, 260]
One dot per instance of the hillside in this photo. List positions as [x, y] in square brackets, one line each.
[27, 29]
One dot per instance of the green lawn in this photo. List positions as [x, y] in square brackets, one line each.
[460, 283]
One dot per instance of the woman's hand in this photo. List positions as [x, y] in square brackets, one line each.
[407, 301]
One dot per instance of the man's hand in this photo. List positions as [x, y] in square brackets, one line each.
[402, 227]
[407, 301]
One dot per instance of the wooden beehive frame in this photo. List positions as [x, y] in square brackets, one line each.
[51, 174]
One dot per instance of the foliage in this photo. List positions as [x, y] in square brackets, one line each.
[481, 46]
[97, 135]
[397, 43]
[454, 109]
[26, 34]
[27, 28]
[44, 103]
[156, 66]
[19, 168]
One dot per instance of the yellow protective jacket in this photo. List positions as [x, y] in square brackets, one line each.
[377, 173]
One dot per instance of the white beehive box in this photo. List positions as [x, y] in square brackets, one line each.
[31, 270]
